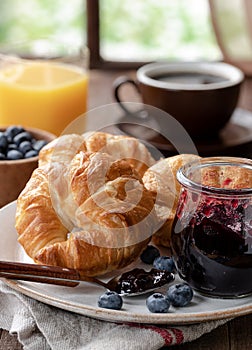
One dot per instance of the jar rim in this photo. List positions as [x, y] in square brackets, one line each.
[185, 181]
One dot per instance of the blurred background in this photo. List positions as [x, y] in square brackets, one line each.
[128, 30]
[126, 34]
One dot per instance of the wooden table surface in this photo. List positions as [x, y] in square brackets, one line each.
[236, 334]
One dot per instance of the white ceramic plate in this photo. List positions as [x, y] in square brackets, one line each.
[83, 298]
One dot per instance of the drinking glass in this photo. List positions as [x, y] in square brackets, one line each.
[43, 85]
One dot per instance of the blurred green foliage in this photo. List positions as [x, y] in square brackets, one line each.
[31, 19]
[130, 29]
[168, 29]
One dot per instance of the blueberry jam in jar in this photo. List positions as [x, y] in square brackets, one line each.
[212, 231]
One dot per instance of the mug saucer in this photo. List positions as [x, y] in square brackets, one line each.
[235, 139]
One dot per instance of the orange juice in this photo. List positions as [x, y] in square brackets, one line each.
[42, 94]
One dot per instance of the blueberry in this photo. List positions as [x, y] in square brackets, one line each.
[12, 146]
[2, 156]
[23, 136]
[13, 130]
[164, 263]
[2, 150]
[14, 154]
[38, 145]
[25, 146]
[149, 254]
[3, 141]
[30, 154]
[180, 294]
[110, 300]
[158, 303]
[9, 139]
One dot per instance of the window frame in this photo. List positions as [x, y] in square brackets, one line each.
[93, 42]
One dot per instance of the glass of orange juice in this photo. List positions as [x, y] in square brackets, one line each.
[46, 91]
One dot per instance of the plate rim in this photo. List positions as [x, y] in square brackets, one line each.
[118, 316]
[112, 315]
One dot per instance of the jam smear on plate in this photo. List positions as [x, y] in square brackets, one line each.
[138, 280]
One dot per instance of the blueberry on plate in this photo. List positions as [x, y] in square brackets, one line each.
[164, 263]
[149, 254]
[180, 294]
[158, 303]
[110, 300]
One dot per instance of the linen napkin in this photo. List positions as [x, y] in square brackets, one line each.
[44, 327]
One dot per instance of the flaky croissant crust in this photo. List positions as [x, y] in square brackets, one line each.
[160, 179]
[117, 146]
[85, 209]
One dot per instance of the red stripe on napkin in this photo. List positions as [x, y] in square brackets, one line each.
[166, 334]
[178, 334]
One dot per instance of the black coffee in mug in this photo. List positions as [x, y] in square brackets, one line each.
[189, 78]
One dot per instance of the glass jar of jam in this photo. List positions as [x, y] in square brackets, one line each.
[212, 231]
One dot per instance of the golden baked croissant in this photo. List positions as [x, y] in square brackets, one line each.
[160, 179]
[62, 150]
[85, 210]
[118, 146]
[121, 147]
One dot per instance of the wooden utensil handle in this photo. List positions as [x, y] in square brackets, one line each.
[39, 273]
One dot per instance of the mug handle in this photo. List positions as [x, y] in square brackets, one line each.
[118, 83]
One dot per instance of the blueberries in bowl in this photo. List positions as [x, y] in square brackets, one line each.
[14, 154]
[149, 254]
[180, 294]
[158, 303]
[164, 263]
[13, 130]
[110, 300]
[18, 143]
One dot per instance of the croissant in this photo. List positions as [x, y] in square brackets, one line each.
[160, 179]
[118, 146]
[86, 209]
